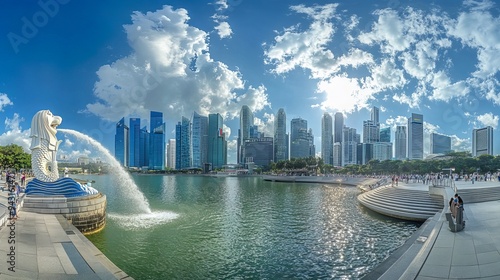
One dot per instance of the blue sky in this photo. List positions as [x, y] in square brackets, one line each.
[93, 62]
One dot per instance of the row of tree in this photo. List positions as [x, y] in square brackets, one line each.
[14, 157]
[462, 162]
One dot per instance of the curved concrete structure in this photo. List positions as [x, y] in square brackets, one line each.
[402, 203]
[86, 213]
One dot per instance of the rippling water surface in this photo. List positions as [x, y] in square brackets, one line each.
[226, 228]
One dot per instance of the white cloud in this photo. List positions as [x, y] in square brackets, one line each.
[222, 5]
[343, 94]
[389, 32]
[224, 30]
[4, 101]
[444, 90]
[385, 76]
[488, 119]
[479, 30]
[266, 124]
[460, 144]
[306, 49]
[479, 5]
[15, 134]
[169, 68]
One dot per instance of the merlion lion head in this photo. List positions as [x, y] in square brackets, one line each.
[44, 127]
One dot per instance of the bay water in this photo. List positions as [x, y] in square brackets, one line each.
[243, 227]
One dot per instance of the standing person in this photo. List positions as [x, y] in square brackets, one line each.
[455, 203]
[23, 179]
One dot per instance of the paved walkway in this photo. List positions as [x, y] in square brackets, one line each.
[473, 253]
[44, 246]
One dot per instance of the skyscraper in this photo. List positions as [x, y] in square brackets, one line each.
[246, 122]
[144, 147]
[183, 144]
[375, 115]
[385, 134]
[217, 146]
[440, 144]
[338, 127]
[327, 139]
[349, 146]
[157, 141]
[199, 140]
[300, 139]
[400, 142]
[135, 145]
[482, 141]
[280, 136]
[416, 136]
[122, 142]
[171, 153]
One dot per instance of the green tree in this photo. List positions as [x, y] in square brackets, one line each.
[13, 156]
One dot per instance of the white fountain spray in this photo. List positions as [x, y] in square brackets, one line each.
[136, 197]
[145, 218]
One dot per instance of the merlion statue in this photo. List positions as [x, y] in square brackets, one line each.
[44, 146]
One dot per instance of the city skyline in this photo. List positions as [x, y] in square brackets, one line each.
[346, 56]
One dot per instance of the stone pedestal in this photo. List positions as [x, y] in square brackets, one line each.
[86, 213]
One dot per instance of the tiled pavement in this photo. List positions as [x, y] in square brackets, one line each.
[49, 247]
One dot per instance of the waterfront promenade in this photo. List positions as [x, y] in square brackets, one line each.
[435, 252]
[47, 246]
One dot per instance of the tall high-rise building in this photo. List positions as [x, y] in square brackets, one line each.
[482, 141]
[400, 142]
[349, 146]
[440, 144]
[217, 144]
[416, 136]
[280, 136]
[371, 132]
[157, 141]
[375, 115]
[144, 147]
[385, 134]
[338, 127]
[199, 140]
[246, 122]
[183, 144]
[301, 139]
[327, 139]
[337, 150]
[171, 153]
[122, 142]
[135, 145]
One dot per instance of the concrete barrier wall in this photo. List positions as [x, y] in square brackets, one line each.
[87, 214]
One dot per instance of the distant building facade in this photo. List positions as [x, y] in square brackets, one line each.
[171, 153]
[199, 140]
[122, 143]
[183, 144]
[440, 144]
[482, 141]
[327, 139]
[259, 151]
[157, 141]
[217, 144]
[416, 136]
[400, 142]
[280, 136]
